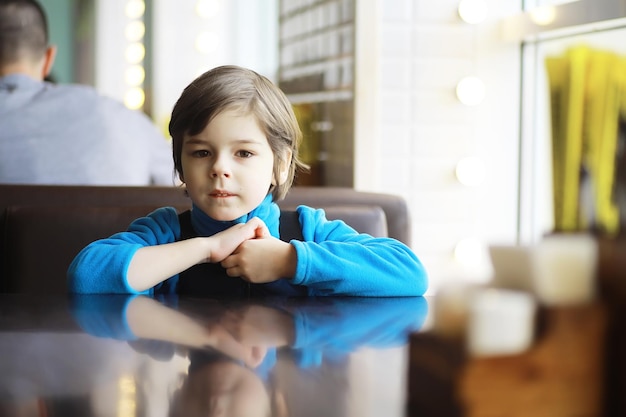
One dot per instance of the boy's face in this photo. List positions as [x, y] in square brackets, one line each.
[228, 167]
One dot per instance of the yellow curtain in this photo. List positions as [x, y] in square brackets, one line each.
[587, 93]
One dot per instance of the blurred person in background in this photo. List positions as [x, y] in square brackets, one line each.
[66, 134]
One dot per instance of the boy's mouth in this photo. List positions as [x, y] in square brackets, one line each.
[220, 194]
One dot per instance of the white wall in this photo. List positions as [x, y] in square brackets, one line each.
[425, 131]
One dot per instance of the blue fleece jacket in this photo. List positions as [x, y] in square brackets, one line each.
[333, 258]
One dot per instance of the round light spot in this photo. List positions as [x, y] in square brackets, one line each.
[469, 252]
[135, 31]
[135, 52]
[543, 15]
[135, 75]
[473, 11]
[471, 171]
[134, 98]
[470, 91]
[135, 9]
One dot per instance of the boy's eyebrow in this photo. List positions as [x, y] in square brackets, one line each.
[198, 141]
[193, 141]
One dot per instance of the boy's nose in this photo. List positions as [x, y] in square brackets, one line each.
[220, 168]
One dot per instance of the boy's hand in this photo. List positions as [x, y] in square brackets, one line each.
[225, 242]
[153, 264]
[260, 260]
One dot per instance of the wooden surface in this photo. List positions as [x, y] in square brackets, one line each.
[562, 374]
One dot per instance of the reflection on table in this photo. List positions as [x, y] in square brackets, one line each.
[139, 356]
[357, 357]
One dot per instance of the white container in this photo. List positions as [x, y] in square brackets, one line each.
[501, 322]
[565, 269]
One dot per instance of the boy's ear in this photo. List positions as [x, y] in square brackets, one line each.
[283, 172]
[49, 56]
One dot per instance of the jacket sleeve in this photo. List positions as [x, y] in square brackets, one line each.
[101, 267]
[334, 259]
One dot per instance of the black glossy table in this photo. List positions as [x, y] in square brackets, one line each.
[139, 356]
[359, 357]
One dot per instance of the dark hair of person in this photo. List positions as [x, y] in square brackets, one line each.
[23, 31]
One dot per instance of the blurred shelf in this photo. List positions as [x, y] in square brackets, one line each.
[566, 19]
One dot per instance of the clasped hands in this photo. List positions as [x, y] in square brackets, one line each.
[249, 251]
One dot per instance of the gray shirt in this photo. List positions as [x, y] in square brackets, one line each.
[69, 134]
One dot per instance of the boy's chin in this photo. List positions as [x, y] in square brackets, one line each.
[225, 215]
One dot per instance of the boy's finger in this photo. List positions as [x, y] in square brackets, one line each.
[262, 232]
[260, 229]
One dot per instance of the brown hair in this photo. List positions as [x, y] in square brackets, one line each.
[235, 88]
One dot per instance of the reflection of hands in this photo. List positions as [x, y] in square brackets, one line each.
[227, 241]
[261, 260]
[150, 319]
[255, 325]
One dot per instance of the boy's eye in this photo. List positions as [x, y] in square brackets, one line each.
[244, 154]
[200, 154]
